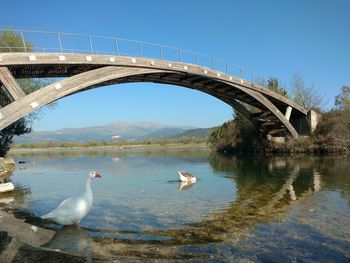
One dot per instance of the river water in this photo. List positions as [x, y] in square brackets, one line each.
[242, 209]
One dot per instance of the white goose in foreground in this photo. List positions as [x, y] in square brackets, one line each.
[73, 209]
[186, 177]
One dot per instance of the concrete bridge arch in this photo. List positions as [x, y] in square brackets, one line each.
[274, 114]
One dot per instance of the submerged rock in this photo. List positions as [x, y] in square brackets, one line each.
[7, 165]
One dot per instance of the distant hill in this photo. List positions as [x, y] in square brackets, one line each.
[116, 130]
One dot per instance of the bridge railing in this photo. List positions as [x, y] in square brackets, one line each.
[58, 42]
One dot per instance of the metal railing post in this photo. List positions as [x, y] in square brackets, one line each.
[24, 43]
[212, 63]
[240, 72]
[161, 52]
[91, 47]
[180, 56]
[140, 48]
[59, 42]
[116, 46]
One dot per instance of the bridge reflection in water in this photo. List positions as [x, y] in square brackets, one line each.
[280, 210]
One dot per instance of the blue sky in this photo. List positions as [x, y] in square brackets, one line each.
[273, 38]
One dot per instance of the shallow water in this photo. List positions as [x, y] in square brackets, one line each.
[243, 208]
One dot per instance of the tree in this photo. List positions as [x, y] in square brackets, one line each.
[6, 135]
[342, 101]
[273, 85]
[237, 135]
[223, 138]
[308, 97]
[12, 42]
[333, 130]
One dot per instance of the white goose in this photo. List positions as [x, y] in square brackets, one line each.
[73, 209]
[186, 177]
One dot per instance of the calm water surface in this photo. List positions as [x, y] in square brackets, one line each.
[242, 209]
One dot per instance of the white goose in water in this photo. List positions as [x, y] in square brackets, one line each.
[73, 209]
[186, 177]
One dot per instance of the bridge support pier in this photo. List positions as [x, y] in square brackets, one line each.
[314, 118]
[288, 112]
[13, 89]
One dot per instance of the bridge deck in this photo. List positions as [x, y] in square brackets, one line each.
[270, 106]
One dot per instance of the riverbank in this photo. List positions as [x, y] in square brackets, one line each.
[312, 145]
[17, 235]
[24, 238]
[114, 148]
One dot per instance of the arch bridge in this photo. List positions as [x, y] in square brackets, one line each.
[82, 69]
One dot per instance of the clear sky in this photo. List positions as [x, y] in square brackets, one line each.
[276, 38]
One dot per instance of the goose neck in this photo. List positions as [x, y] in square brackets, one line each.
[88, 185]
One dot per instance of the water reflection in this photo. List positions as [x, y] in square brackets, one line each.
[72, 240]
[278, 202]
[265, 191]
[6, 198]
[185, 185]
[18, 196]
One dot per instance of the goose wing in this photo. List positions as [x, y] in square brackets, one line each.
[70, 210]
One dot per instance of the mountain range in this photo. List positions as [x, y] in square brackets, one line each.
[114, 131]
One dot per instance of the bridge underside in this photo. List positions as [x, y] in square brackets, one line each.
[271, 112]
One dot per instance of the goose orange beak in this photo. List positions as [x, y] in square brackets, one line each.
[98, 175]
